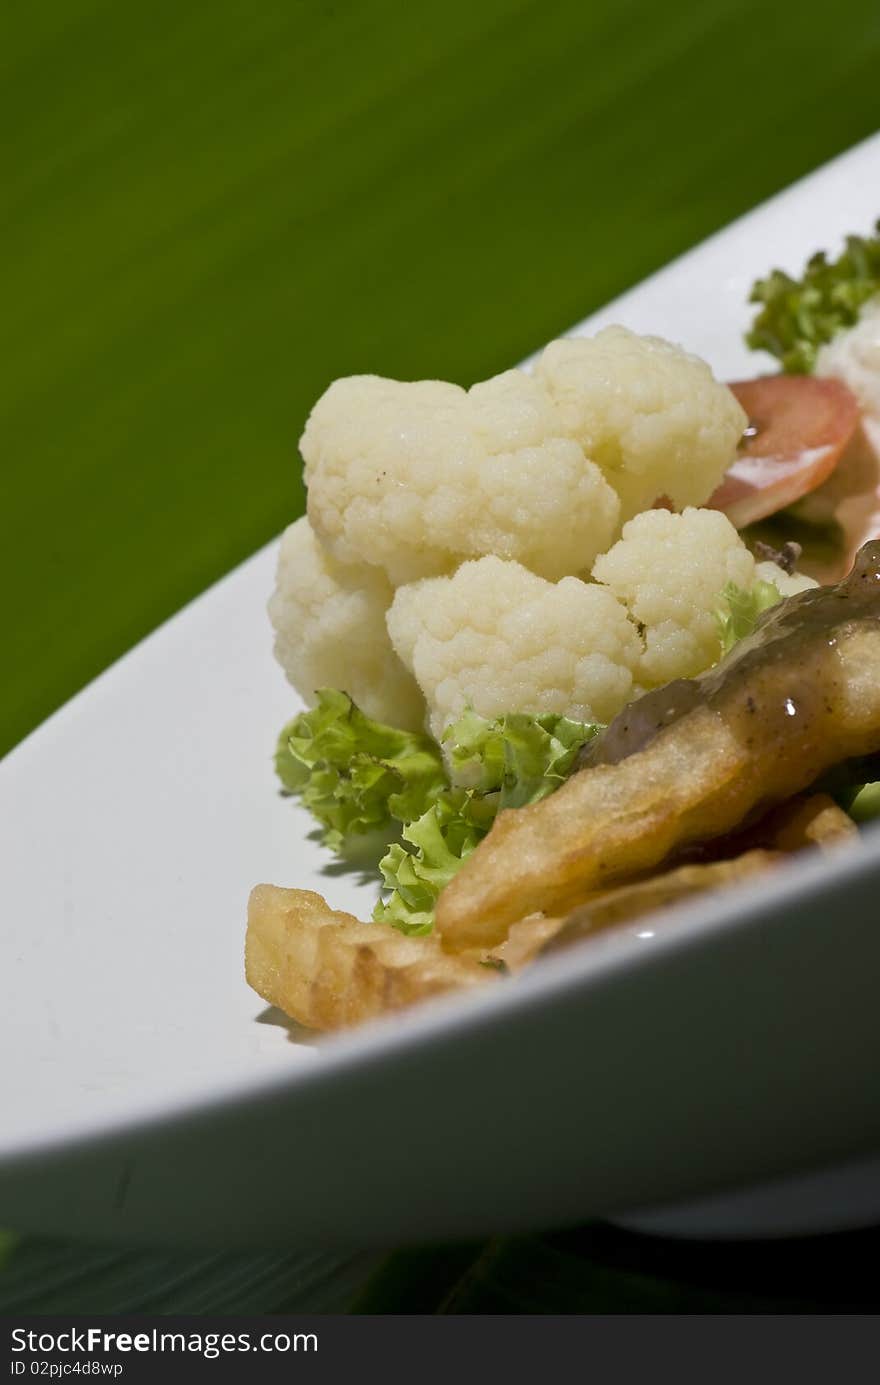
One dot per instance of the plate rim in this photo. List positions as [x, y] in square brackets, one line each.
[741, 909]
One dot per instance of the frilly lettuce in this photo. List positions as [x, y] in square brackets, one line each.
[520, 758]
[433, 847]
[738, 610]
[799, 315]
[357, 776]
[495, 764]
[354, 774]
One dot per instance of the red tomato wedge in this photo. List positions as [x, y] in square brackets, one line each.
[799, 428]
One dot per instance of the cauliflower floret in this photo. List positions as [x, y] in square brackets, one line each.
[670, 570]
[416, 476]
[652, 416]
[786, 583]
[330, 631]
[496, 637]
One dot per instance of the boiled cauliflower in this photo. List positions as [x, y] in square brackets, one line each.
[652, 416]
[414, 477]
[498, 638]
[330, 631]
[487, 509]
[670, 570]
[786, 583]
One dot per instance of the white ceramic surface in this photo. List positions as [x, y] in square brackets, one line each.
[142, 1096]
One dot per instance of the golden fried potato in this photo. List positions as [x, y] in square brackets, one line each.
[688, 763]
[328, 970]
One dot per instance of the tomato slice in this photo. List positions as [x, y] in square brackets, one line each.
[799, 428]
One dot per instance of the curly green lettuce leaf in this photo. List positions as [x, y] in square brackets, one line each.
[432, 850]
[798, 316]
[738, 610]
[356, 775]
[359, 777]
[500, 763]
[520, 757]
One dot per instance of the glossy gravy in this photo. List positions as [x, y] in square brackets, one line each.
[777, 680]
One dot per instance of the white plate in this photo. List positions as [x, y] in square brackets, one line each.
[141, 1096]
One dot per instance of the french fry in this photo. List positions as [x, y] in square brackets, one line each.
[328, 970]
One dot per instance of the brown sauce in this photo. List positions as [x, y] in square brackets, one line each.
[778, 678]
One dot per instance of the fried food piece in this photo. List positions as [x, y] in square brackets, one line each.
[527, 938]
[798, 825]
[688, 762]
[328, 970]
[802, 823]
[657, 893]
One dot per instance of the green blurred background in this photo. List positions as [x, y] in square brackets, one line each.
[209, 211]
